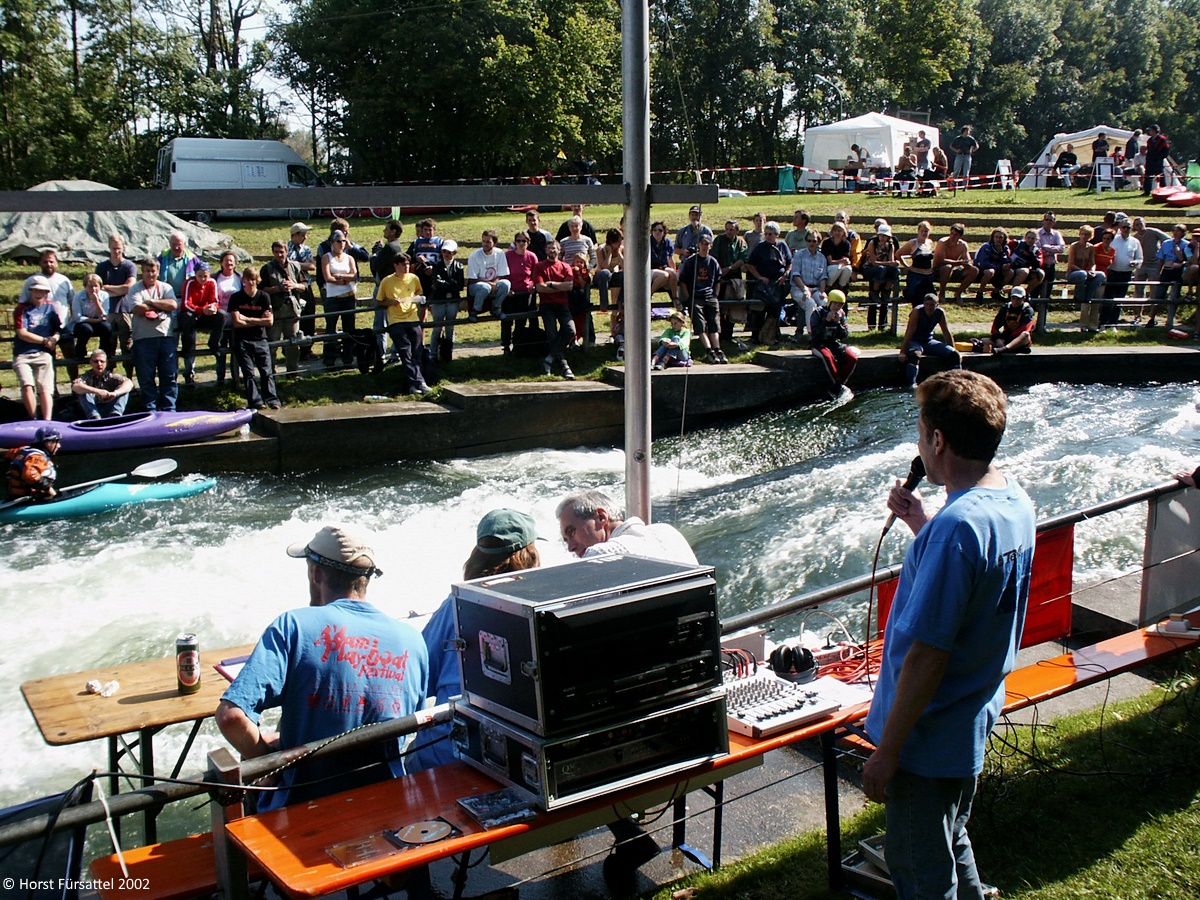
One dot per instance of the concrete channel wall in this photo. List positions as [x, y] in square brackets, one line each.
[481, 419]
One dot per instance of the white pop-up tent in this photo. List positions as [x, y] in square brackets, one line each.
[1081, 146]
[882, 136]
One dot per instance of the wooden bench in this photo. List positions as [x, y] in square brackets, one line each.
[173, 870]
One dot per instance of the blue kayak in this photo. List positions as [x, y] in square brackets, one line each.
[102, 498]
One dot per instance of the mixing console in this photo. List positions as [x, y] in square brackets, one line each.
[764, 704]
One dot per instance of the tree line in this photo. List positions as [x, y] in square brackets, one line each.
[395, 90]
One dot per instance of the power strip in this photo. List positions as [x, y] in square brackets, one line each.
[1177, 627]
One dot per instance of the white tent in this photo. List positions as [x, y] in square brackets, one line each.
[1081, 146]
[882, 136]
[82, 237]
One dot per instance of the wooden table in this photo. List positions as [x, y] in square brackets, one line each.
[147, 701]
[291, 844]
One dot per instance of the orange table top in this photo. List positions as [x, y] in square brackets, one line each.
[291, 844]
[148, 698]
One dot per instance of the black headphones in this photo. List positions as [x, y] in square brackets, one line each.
[789, 661]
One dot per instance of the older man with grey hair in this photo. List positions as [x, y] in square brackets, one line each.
[592, 525]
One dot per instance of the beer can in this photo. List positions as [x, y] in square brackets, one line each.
[187, 663]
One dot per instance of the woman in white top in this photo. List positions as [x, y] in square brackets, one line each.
[227, 280]
[340, 271]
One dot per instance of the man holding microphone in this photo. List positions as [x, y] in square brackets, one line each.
[952, 636]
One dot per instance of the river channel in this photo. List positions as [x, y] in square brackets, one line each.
[780, 503]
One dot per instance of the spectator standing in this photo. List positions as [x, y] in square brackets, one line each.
[61, 294]
[339, 275]
[176, 263]
[1133, 145]
[153, 307]
[251, 318]
[755, 234]
[1050, 242]
[964, 147]
[538, 236]
[102, 392]
[1158, 148]
[1150, 239]
[400, 294]
[1100, 146]
[1127, 258]
[382, 255]
[300, 253]
[585, 227]
[449, 281]
[119, 275]
[699, 280]
[687, 239]
[282, 279]
[553, 280]
[923, 149]
[36, 327]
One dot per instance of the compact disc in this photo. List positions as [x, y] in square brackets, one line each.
[424, 832]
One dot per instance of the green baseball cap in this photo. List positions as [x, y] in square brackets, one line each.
[508, 530]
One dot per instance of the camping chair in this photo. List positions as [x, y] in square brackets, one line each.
[1103, 175]
[52, 855]
[1004, 175]
[1193, 176]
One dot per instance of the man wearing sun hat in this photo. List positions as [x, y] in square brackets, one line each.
[37, 325]
[332, 667]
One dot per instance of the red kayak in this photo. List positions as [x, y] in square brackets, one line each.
[1162, 194]
[1184, 198]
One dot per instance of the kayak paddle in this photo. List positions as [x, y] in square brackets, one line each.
[154, 469]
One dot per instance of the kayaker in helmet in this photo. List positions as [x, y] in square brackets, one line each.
[31, 469]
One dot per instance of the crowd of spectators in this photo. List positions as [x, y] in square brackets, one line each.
[540, 287]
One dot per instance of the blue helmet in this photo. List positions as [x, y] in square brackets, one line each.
[45, 434]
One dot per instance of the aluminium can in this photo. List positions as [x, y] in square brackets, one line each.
[187, 663]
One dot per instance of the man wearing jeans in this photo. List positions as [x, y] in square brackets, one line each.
[552, 281]
[153, 307]
[952, 636]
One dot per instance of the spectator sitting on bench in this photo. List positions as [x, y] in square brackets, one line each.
[1027, 265]
[994, 262]
[952, 262]
[1012, 329]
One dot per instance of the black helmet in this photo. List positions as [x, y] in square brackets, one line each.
[47, 433]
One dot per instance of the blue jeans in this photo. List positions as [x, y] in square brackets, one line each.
[480, 291]
[92, 409]
[340, 307]
[155, 358]
[1091, 282]
[560, 329]
[916, 349]
[928, 851]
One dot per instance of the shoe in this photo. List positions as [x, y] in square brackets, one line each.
[714, 357]
[657, 367]
[472, 318]
[722, 358]
[189, 380]
[546, 364]
[422, 390]
[566, 372]
[507, 351]
[620, 351]
[275, 404]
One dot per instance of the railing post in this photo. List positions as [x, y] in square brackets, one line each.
[232, 879]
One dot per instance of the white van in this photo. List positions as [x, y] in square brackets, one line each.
[200, 164]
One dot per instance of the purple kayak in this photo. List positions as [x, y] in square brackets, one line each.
[145, 429]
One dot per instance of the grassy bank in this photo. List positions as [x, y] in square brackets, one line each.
[1103, 804]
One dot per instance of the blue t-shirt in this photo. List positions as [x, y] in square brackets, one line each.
[433, 745]
[332, 668]
[963, 589]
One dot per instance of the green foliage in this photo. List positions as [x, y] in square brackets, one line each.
[495, 89]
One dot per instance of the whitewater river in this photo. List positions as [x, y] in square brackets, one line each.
[780, 503]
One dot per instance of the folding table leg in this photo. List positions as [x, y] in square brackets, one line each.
[833, 820]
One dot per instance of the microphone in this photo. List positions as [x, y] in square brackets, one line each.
[916, 471]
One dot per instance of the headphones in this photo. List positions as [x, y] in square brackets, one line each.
[794, 663]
